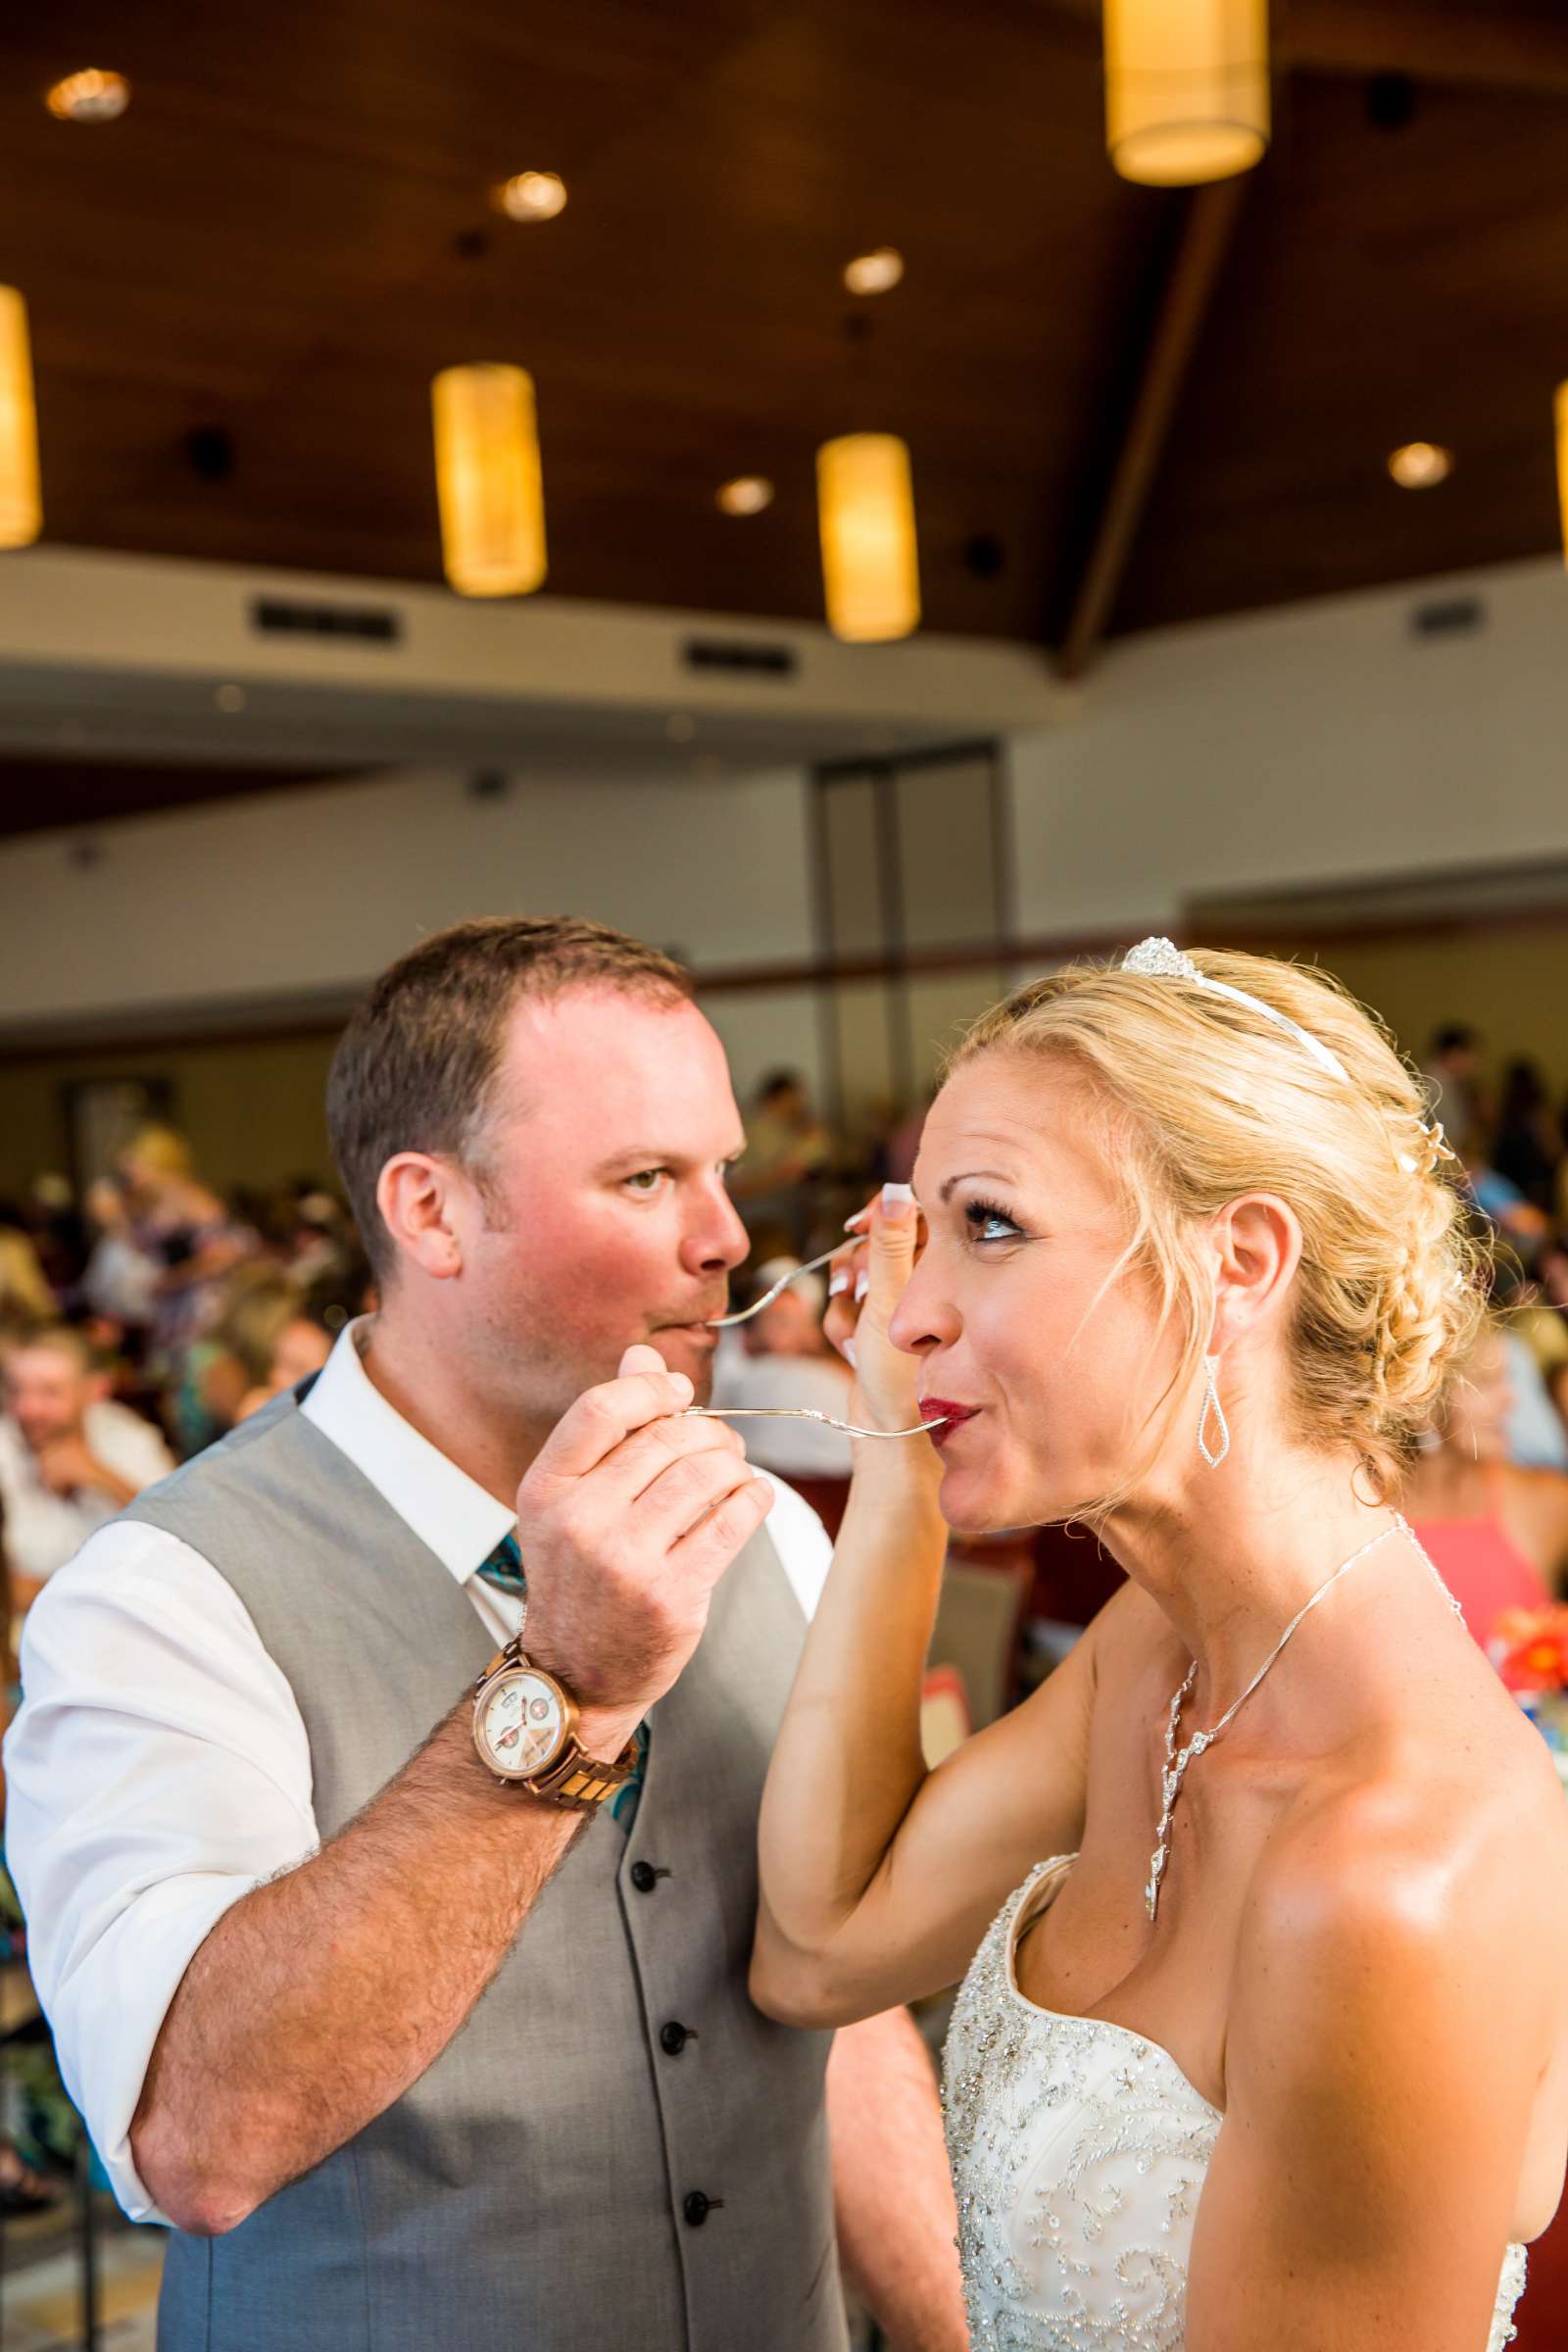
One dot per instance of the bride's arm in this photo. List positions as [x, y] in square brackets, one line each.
[1391, 2024]
[879, 1878]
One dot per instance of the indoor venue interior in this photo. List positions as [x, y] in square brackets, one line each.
[820, 517]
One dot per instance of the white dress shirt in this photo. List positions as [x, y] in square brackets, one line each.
[158, 1769]
[43, 1529]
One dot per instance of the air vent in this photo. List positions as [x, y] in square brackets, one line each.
[288, 616]
[1455, 616]
[751, 660]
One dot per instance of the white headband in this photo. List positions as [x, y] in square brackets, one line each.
[1162, 959]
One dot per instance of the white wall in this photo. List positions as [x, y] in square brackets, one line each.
[1320, 742]
[1315, 743]
[318, 887]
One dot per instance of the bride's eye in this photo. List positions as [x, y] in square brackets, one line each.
[988, 1223]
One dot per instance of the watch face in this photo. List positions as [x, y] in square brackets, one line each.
[522, 1724]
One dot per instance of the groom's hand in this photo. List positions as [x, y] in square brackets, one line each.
[626, 1521]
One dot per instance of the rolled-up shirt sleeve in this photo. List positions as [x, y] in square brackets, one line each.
[157, 1771]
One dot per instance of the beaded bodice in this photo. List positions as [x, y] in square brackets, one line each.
[1079, 2150]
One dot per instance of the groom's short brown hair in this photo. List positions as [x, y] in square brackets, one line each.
[415, 1068]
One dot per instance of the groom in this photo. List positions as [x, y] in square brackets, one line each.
[408, 2055]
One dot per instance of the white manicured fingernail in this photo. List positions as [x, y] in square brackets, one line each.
[862, 1283]
[894, 1193]
[854, 1223]
[848, 1353]
[840, 1282]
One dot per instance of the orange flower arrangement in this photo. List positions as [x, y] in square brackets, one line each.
[1534, 1649]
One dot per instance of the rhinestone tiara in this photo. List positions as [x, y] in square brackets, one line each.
[1162, 959]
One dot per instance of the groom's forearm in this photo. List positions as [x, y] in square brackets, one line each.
[321, 1995]
[892, 2187]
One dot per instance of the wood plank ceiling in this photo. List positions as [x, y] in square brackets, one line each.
[289, 232]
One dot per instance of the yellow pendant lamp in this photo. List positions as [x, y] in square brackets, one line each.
[1186, 89]
[488, 480]
[865, 512]
[20, 503]
[1562, 460]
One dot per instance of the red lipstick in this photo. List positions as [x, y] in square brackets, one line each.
[950, 1414]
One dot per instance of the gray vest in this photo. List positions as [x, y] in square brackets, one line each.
[541, 2188]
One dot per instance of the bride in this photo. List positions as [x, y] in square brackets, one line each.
[1263, 1896]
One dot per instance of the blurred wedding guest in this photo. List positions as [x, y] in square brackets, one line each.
[1497, 1533]
[223, 1366]
[70, 1458]
[1534, 1433]
[1527, 1145]
[782, 1360]
[120, 1278]
[787, 1151]
[1498, 1197]
[26, 1298]
[1542, 1324]
[181, 1222]
[1452, 1072]
[307, 1339]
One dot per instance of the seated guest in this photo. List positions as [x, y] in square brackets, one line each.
[778, 1360]
[26, 1298]
[181, 1221]
[70, 1458]
[1497, 1533]
[787, 1151]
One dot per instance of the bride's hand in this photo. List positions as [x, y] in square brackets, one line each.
[868, 1280]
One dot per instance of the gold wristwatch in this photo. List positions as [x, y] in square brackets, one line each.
[525, 1732]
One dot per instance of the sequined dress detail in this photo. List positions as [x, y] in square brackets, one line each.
[1079, 2151]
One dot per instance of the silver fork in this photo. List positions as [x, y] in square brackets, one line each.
[723, 1322]
[801, 1412]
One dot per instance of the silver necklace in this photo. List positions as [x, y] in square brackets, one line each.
[1176, 1763]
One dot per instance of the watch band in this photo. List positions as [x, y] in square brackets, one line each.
[573, 1779]
[578, 1781]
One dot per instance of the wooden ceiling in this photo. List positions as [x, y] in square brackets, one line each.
[288, 235]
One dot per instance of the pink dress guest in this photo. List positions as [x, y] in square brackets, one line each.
[1482, 1566]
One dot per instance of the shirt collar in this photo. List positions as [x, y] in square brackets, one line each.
[449, 1511]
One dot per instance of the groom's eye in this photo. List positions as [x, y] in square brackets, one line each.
[646, 1181]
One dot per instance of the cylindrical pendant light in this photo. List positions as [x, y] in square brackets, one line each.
[1186, 89]
[1562, 462]
[488, 480]
[20, 503]
[865, 512]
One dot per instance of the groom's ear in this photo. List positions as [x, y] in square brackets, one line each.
[423, 1205]
[1257, 1248]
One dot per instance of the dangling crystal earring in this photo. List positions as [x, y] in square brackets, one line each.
[1212, 1408]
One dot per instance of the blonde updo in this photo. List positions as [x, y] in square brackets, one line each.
[1206, 1100]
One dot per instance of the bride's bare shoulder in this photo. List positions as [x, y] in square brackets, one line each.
[1449, 1845]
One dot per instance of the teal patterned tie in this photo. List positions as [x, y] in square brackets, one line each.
[503, 1570]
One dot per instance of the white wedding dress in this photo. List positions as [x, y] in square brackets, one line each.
[1079, 2150]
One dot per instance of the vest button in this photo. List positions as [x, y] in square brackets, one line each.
[695, 2208]
[644, 1877]
[672, 2039]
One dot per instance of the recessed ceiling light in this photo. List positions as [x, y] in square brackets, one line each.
[231, 697]
[1421, 465]
[874, 272]
[680, 726]
[532, 196]
[91, 96]
[747, 494]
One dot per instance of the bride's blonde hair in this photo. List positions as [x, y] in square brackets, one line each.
[1204, 1100]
